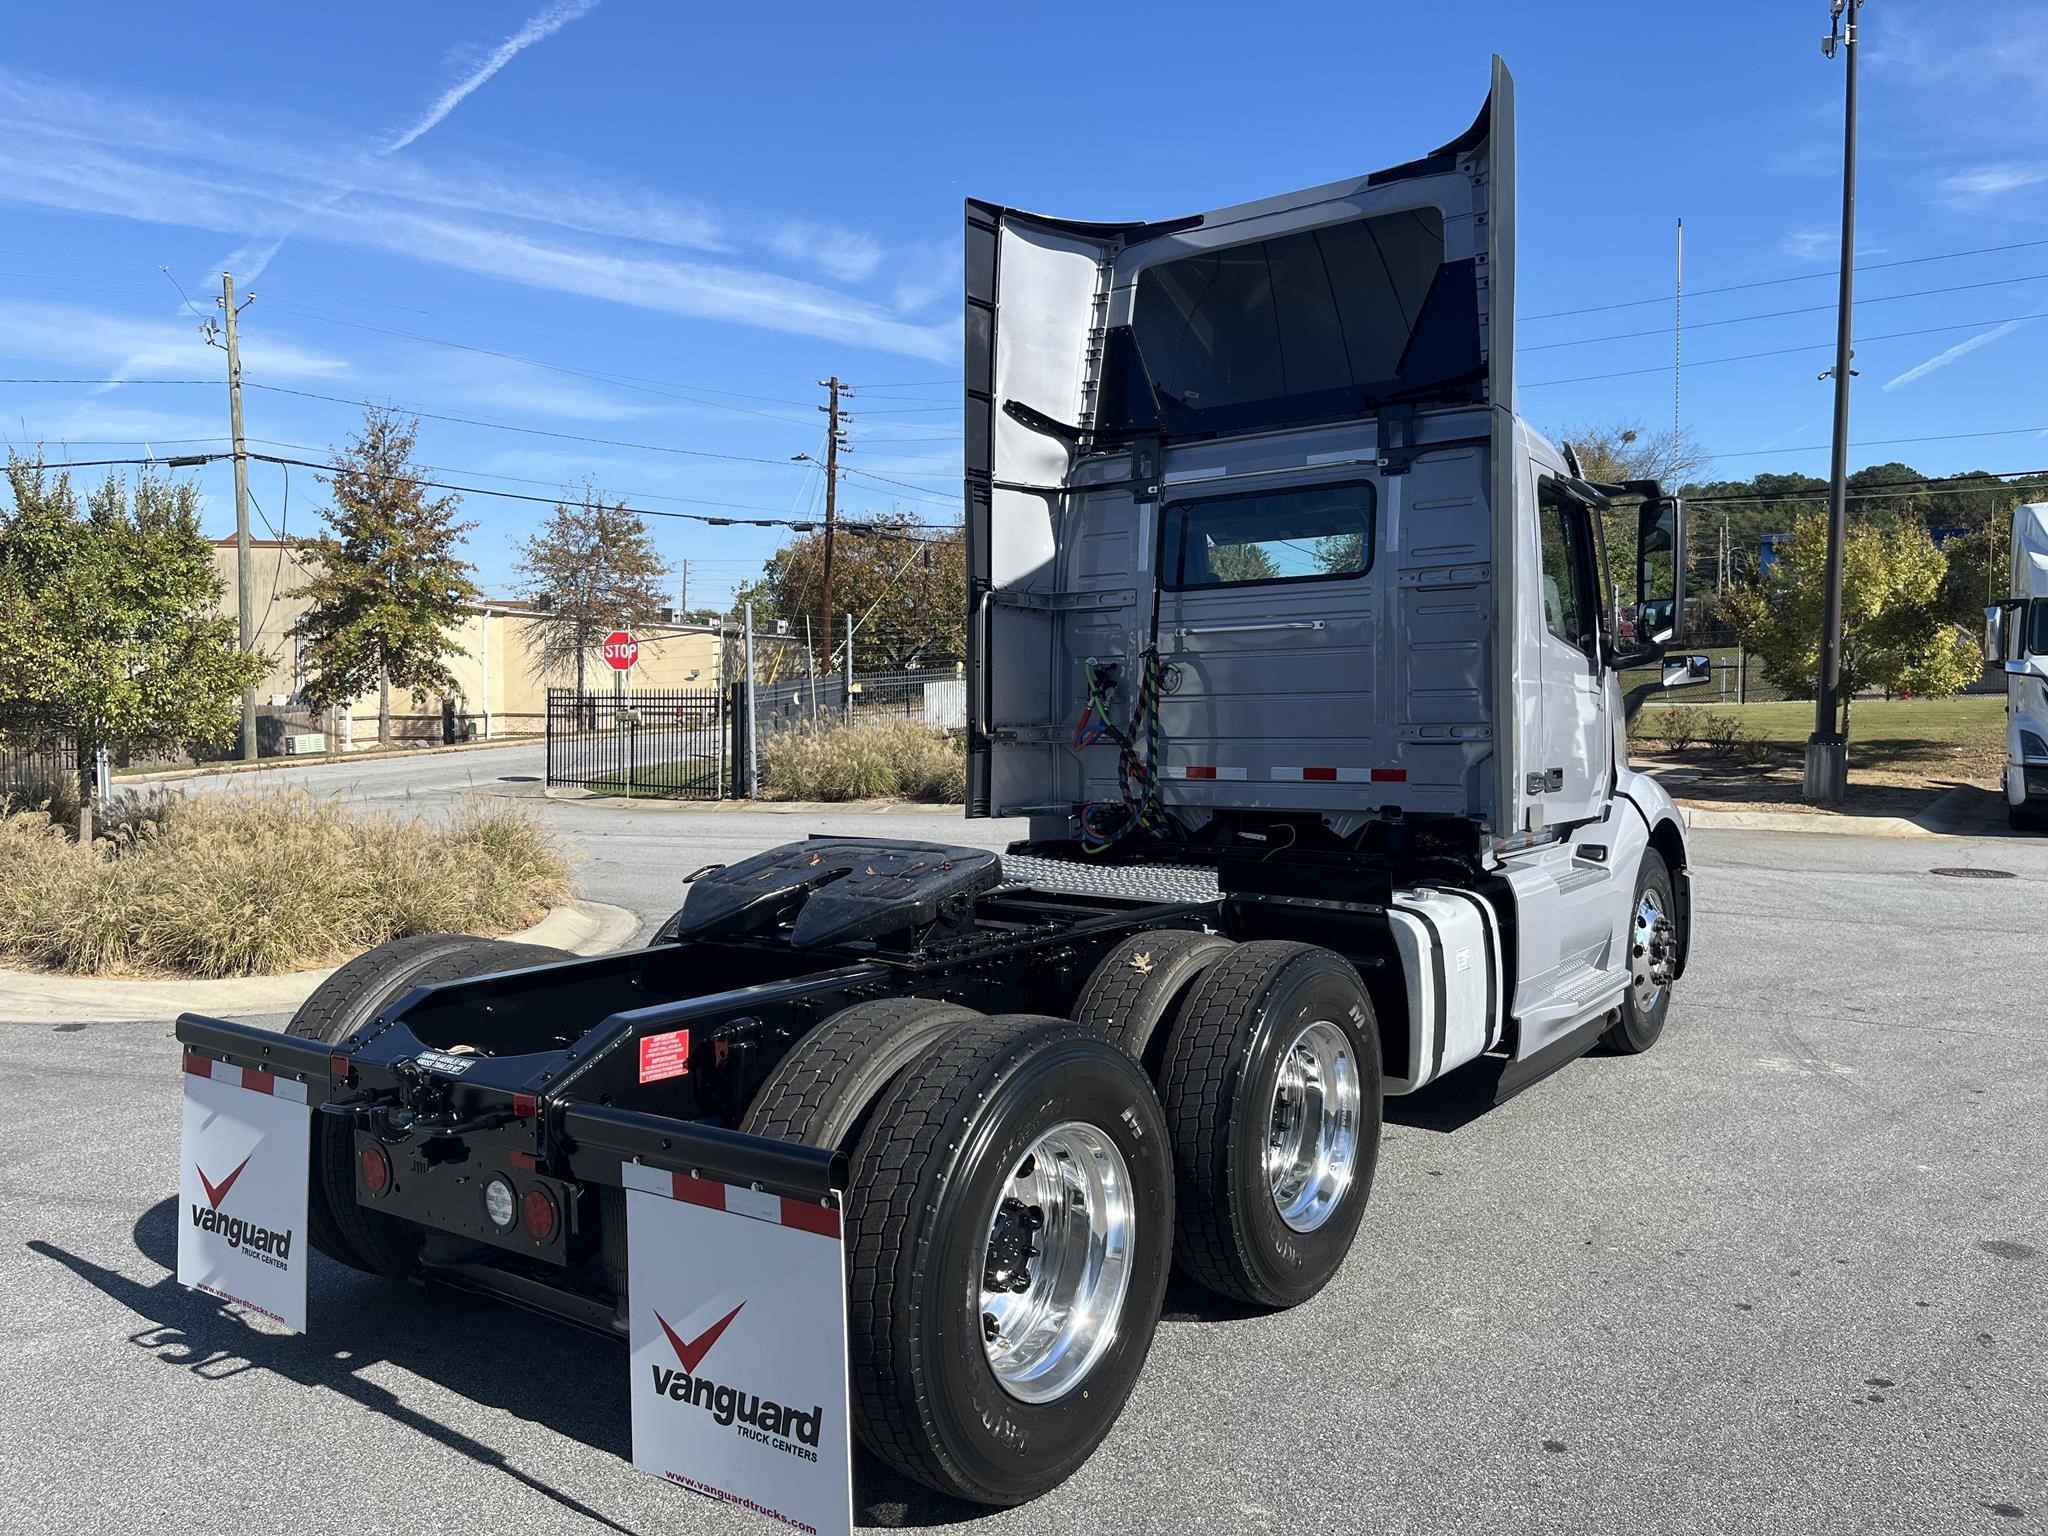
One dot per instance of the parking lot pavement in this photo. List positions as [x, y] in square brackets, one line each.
[1782, 1274]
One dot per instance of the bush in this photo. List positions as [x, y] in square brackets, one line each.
[235, 885]
[874, 760]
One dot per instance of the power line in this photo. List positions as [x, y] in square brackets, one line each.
[1975, 480]
[1780, 314]
[664, 387]
[1744, 357]
[1894, 442]
[1803, 277]
[208, 382]
[504, 426]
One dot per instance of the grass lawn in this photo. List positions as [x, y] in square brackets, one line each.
[1906, 734]
[1900, 750]
[695, 775]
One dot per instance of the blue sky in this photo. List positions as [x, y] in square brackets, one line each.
[691, 214]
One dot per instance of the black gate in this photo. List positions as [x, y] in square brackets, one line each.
[654, 742]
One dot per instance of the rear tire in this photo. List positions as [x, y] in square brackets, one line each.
[942, 1239]
[1653, 945]
[2026, 817]
[820, 1093]
[1272, 1087]
[1139, 983]
[341, 1005]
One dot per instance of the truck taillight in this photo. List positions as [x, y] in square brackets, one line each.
[537, 1210]
[376, 1169]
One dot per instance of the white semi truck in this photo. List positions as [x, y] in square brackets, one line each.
[2016, 633]
[1300, 650]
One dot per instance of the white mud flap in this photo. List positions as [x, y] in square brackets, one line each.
[739, 1383]
[242, 1189]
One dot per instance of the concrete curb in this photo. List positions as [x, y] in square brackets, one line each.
[570, 795]
[40, 997]
[1959, 813]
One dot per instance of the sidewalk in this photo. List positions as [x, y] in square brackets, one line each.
[318, 760]
[44, 997]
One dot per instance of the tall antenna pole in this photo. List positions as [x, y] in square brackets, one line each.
[1678, 343]
[1827, 751]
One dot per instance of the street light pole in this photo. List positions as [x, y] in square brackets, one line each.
[1827, 753]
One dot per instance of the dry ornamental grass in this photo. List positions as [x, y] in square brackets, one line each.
[239, 885]
[874, 760]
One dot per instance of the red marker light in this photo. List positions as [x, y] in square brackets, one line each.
[376, 1169]
[537, 1210]
[525, 1105]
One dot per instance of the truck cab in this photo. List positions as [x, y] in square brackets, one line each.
[1262, 558]
[2016, 636]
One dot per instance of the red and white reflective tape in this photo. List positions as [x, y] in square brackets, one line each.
[1341, 775]
[245, 1077]
[735, 1199]
[1202, 771]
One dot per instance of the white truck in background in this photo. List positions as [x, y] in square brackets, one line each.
[2016, 633]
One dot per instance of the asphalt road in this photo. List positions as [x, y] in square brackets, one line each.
[1782, 1274]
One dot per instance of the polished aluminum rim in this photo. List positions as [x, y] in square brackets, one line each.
[1312, 1150]
[1651, 946]
[1058, 1262]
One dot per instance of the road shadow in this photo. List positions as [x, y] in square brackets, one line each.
[1453, 1101]
[569, 1379]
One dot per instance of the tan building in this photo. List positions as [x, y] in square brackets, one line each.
[501, 690]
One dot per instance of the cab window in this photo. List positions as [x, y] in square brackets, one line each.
[1567, 568]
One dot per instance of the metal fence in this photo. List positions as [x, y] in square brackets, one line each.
[657, 742]
[35, 770]
[936, 697]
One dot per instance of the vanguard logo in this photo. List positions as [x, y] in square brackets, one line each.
[262, 1242]
[759, 1417]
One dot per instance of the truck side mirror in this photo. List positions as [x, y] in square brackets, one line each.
[2004, 632]
[1684, 671]
[1660, 570]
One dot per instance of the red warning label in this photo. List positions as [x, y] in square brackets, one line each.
[664, 1056]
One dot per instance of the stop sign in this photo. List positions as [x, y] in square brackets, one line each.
[620, 650]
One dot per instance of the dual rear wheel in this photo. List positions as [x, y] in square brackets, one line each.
[1020, 1189]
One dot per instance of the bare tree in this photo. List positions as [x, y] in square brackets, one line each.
[1625, 450]
[591, 569]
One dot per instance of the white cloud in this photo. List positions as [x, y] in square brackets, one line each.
[558, 229]
[845, 254]
[542, 26]
[1809, 244]
[127, 348]
[1983, 182]
[1960, 349]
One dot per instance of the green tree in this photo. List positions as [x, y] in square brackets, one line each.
[387, 584]
[906, 590]
[592, 568]
[110, 624]
[1893, 632]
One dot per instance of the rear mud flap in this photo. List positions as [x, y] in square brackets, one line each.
[242, 1188]
[739, 1351]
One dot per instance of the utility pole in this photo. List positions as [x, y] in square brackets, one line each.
[683, 595]
[753, 735]
[834, 441]
[245, 581]
[1827, 753]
